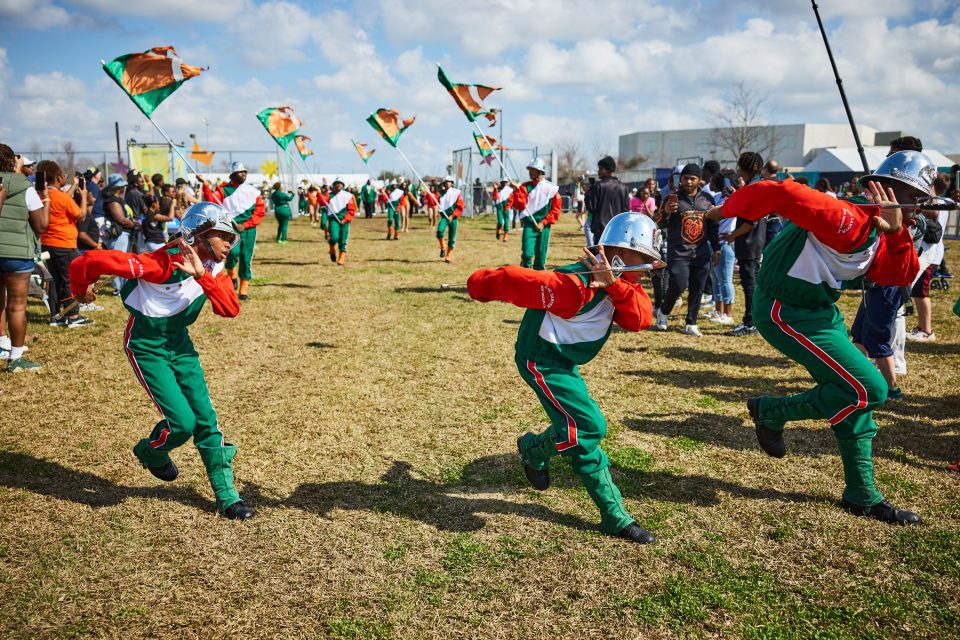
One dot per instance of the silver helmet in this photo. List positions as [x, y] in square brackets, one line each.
[537, 163]
[237, 167]
[634, 231]
[911, 168]
[206, 216]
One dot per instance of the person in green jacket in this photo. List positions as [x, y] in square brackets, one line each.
[368, 195]
[280, 200]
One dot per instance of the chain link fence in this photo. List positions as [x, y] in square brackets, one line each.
[475, 175]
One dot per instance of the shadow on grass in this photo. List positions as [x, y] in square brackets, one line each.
[933, 348]
[435, 289]
[286, 285]
[728, 388]
[289, 263]
[400, 494]
[321, 345]
[21, 471]
[738, 359]
[403, 260]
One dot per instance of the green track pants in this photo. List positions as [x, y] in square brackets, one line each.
[448, 227]
[242, 252]
[503, 217]
[169, 369]
[339, 233]
[848, 386]
[533, 246]
[283, 221]
[576, 428]
[393, 217]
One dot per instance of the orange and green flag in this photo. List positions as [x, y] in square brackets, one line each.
[362, 150]
[469, 97]
[387, 123]
[150, 77]
[281, 123]
[301, 142]
[486, 145]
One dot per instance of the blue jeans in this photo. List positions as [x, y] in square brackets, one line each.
[120, 243]
[723, 275]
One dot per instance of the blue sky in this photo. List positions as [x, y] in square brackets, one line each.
[581, 71]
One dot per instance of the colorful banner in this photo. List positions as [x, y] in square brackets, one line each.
[387, 123]
[469, 97]
[281, 124]
[148, 78]
[362, 150]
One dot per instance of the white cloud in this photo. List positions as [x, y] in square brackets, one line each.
[589, 62]
[536, 129]
[50, 85]
[272, 34]
[34, 14]
[176, 11]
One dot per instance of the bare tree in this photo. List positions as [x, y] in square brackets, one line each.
[741, 124]
[629, 163]
[570, 161]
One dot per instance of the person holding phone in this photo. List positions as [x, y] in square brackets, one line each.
[59, 240]
[24, 215]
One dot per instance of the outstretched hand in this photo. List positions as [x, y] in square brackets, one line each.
[887, 220]
[601, 275]
[191, 265]
[714, 213]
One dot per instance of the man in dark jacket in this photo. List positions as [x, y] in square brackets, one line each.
[607, 197]
[692, 243]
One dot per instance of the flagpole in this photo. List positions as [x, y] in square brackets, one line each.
[494, 151]
[404, 156]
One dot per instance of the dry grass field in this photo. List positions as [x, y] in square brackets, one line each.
[376, 417]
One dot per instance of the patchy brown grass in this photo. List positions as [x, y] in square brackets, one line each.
[376, 417]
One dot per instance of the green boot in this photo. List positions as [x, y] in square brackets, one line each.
[219, 470]
[613, 517]
[776, 412]
[860, 487]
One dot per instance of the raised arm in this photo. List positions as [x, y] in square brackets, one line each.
[153, 267]
[633, 310]
[519, 198]
[221, 294]
[562, 294]
[840, 225]
[259, 210]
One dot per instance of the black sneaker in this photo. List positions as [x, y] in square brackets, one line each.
[539, 480]
[333, 257]
[770, 441]
[635, 533]
[742, 330]
[882, 511]
[443, 253]
[79, 321]
[167, 473]
[62, 323]
[238, 511]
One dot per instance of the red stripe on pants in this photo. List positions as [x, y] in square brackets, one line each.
[571, 423]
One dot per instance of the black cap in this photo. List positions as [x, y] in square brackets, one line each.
[608, 163]
[691, 169]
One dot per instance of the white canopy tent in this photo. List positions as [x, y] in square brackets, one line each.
[846, 159]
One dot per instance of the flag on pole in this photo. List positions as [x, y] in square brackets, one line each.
[281, 124]
[202, 156]
[387, 123]
[148, 78]
[362, 150]
[301, 142]
[469, 97]
[486, 145]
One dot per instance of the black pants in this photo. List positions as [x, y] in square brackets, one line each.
[58, 264]
[686, 275]
[748, 280]
[368, 209]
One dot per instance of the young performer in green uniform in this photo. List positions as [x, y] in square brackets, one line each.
[164, 293]
[244, 205]
[281, 209]
[568, 321]
[539, 204]
[341, 208]
[503, 202]
[451, 208]
[395, 197]
[828, 245]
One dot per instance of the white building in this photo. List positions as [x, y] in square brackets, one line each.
[796, 144]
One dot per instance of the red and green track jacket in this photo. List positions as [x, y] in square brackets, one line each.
[827, 244]
[243, 203]
[342, 206]
[539, 200]
[162, 299]
[566, 323]
[451, 203]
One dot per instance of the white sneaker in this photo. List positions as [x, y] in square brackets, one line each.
[661, 321]
[919, 335]
[706, 299]
[712, 315]
[692, 330]
[4, 354]
[726, 320]
[90, 306]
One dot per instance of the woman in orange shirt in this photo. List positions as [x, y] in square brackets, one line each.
[60, 239]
